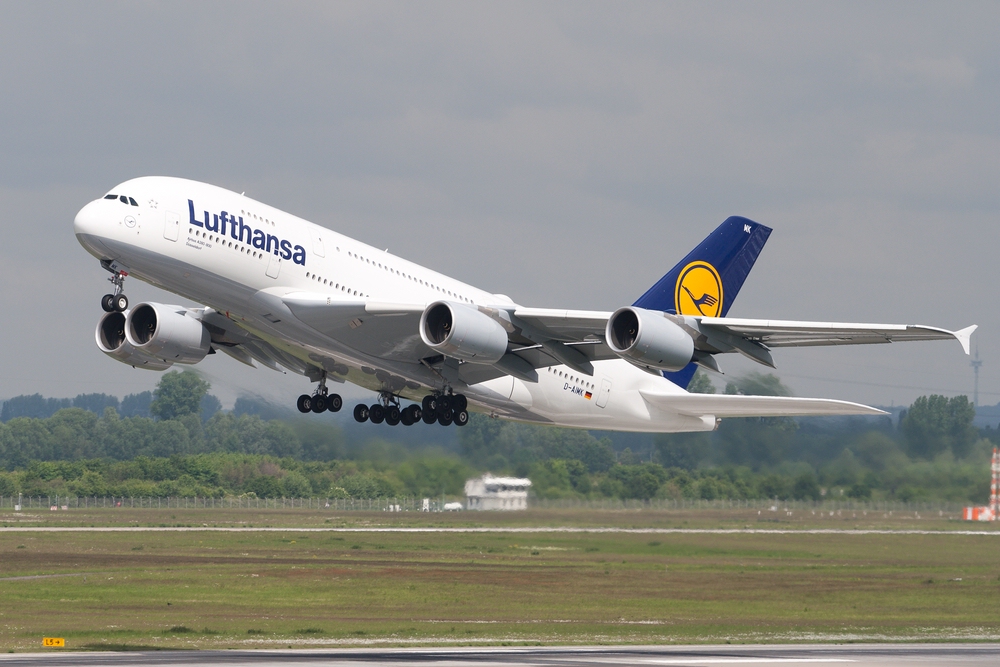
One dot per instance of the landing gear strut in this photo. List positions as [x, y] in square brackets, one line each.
[116, 302]
[321, 400]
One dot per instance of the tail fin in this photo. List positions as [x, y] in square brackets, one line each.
[706, 282]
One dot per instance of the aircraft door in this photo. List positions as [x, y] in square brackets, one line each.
[318, 248]
[273, 266]
[602, 396]
[171, 226]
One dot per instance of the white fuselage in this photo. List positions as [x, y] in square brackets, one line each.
[226, 251]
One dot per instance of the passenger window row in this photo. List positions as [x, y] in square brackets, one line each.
[570, 378]
[401, 274]
[226, 243]
[258, 218]
[330, 283]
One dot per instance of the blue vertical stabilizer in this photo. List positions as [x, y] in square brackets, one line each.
[706, 282]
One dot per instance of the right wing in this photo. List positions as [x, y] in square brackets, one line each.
[780, 333]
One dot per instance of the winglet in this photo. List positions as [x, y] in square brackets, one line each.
[964, 336]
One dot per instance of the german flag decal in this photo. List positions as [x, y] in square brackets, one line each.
[587, 395]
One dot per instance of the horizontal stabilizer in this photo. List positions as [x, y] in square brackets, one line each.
[726, 405]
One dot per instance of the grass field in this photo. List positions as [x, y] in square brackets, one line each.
[289, 588]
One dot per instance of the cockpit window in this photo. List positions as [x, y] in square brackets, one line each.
[123, 199]
[132, 201]
[111, 196]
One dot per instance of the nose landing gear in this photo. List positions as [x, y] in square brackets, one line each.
[116, 302]
[320, 401]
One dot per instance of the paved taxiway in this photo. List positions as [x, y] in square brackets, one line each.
[853, 655]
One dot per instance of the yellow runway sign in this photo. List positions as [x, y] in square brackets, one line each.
[53, 641]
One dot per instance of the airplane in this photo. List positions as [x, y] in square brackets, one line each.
[289, 294]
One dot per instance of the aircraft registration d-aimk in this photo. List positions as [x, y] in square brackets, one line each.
[288, 294]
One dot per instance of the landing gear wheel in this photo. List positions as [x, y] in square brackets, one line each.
[392, 415]
[121, 303]
[429, 403]
[108, 303]
[445, 419]
[428, 416]
[361, 413]
[319, 403]
[443, 404]
[304, 404]
[406, 417]
[334, 402]
[376, 413]
[415, 413]
[461, 418]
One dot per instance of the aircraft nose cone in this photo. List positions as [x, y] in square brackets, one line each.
[88, 221]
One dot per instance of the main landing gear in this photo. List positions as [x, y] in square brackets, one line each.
[443, 409]
[387, 410]
[116, 302]
[320, 401]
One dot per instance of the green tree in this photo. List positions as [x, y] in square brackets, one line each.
[701, 383]
[758, 384]
[806, 487]
[934, 424]
[177, 394]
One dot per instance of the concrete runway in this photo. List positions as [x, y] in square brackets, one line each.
[855, 655]
[530, 529]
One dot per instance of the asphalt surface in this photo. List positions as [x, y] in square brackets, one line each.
[531, 529]
[856, 655]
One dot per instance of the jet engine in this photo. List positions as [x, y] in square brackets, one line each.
[167, 333]
[460, 331]
[111, 341]
[647, 338]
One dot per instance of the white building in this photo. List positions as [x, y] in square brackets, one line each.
[497, 493]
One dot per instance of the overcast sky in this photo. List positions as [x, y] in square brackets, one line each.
[565, 154]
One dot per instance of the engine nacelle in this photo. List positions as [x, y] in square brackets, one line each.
[647, 338]
[167, 333]
[461, 331]
[111, 341]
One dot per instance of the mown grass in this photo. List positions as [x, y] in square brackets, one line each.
[645, 518]
[214, 590]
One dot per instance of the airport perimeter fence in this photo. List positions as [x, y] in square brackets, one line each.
[408, 504]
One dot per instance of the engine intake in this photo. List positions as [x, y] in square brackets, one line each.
[460, 331]
[167, 333]
[111, 341]
[647, 338]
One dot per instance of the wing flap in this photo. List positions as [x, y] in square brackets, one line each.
[565, 325]
[725, 405]
[381, 329]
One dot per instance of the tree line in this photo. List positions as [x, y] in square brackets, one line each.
[178, 447]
